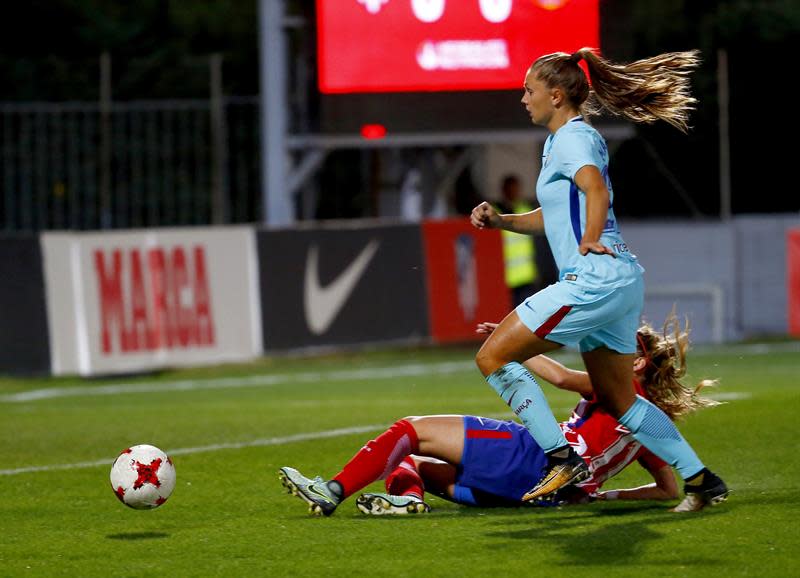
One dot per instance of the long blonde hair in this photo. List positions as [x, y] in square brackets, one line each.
[665, 353]
[643, 91]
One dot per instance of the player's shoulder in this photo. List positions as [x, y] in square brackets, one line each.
[577, 134]
[580, 126]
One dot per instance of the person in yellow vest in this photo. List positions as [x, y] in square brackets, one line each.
[519, 251]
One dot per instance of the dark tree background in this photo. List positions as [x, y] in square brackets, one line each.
[758, 37]
[49, 50]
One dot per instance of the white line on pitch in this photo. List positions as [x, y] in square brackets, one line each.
[412, 370]
[210, 448]
[277, 441]
[266, 380]
[226, 446]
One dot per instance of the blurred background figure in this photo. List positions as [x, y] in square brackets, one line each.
[411, 196]
[519, 251]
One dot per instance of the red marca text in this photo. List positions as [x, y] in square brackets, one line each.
[153, 299]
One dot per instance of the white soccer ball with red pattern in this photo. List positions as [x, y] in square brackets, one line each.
[143, 477]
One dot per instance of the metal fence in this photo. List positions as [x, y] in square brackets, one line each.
[133, 164]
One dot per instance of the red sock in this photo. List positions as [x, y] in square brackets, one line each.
[378, 458]
[405, 480]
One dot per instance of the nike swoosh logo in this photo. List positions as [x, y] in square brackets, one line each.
[323, 304]
[311, 489]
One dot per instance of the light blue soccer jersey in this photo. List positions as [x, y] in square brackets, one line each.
[571, 147]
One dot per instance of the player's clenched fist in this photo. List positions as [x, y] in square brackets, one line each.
[485, 217]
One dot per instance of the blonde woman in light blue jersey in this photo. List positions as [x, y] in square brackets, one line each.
[597, 302]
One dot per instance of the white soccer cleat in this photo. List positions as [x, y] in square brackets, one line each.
[386, 504]
[314, 492]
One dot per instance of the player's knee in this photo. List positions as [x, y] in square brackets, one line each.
[416, 423]
[487, 362]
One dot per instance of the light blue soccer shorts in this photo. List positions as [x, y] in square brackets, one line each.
[572, 315]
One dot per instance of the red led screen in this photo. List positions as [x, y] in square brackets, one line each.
[435, 45]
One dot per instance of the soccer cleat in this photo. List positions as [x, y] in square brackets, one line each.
[566, 495]
[561, 472]
[705, 489]
[386, 504]
[320, 500]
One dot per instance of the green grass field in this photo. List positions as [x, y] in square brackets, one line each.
[230, 428]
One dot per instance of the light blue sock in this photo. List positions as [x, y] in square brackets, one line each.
[519, 390]
[655, 431]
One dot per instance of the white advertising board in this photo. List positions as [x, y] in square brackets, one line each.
[127, 301]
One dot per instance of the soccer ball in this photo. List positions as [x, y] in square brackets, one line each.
[143, 477]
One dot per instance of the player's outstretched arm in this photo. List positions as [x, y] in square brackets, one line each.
[561, 376]
[484, 216]
[665, 487]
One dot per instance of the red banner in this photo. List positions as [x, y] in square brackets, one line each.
[436, 45]
[793, 279]
[466, 281]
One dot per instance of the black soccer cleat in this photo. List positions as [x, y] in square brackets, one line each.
[704, 489]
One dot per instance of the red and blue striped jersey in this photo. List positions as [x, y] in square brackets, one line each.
[606, 445]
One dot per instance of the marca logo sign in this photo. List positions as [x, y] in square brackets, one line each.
[153, 299]
[127, 301]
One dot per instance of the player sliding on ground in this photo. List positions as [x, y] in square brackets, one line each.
[480, 461]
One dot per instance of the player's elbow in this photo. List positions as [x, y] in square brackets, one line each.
[573, 381]
[557, 376]
[559, 381]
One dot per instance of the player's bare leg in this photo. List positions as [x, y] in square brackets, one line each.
[499, 359]
[612, 379]
[440, 436]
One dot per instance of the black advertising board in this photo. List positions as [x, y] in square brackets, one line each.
[342, 285]
[24, 341]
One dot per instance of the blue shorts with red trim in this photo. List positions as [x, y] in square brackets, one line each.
[501, 460]
[572, 315]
